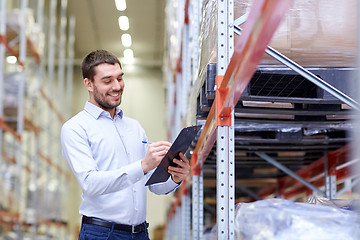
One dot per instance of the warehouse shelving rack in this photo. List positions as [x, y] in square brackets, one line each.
[325, 172]
[35, 175]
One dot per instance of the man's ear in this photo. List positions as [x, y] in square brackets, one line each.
[88, 84]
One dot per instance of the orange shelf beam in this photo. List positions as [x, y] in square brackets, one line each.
[9, 217]
[10, 49]
[9, 129]
[264, 18]
[33, 51]
[52, 106]
[31, 126]
[15, 53]
[290, 187]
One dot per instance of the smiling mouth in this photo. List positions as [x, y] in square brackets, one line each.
[114, 94]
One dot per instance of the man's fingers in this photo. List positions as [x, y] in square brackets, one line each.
[155, 153]
[181, 168]
[176, 169]
[178, 174]
[159, 151]
[183, 158]
[183, 162]
[178, 162]
[160, 144]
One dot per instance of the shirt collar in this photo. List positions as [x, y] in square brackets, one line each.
[96, 111]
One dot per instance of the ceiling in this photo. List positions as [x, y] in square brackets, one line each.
[97, 28]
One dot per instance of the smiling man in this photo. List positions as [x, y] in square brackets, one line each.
[104, 149]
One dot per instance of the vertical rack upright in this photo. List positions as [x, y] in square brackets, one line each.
[255, 45]
[220, 118]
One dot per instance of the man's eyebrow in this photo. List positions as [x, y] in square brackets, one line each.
[106, 77]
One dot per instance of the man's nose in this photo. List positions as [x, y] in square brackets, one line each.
[116, 85]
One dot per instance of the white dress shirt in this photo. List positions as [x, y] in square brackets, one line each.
[105, 156]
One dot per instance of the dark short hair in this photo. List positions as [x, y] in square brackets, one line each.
[95, 58]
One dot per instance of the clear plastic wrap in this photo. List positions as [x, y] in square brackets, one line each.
[349, 204]
[210, 233]
[279, 219]
[11, 89]
[316, 33]
[307, 36]
[173, 29]
[208, 31]
[32, 31]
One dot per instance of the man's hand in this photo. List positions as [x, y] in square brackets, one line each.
[154, 154]
[181, 171]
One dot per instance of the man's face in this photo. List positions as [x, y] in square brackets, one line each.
[107, 88]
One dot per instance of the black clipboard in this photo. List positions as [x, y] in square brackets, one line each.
[181, 144]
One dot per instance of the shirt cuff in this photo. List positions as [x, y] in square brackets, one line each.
[173, 184]
[135, 172]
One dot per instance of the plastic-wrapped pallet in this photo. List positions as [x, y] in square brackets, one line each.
[33, 31]
[306, 34]
[349, 204]
[11, 92]
[286, 220]
[210, 233]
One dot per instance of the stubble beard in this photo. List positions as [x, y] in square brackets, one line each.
[103, 103]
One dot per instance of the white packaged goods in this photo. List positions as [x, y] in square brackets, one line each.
[279, 219]
[11, 89]
[33, 31]
[306, 34]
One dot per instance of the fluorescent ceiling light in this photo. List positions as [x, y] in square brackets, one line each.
[11, 59]
[124, 23]
[128, 53]
[128, 56]
[126, 40]
[120, 5]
